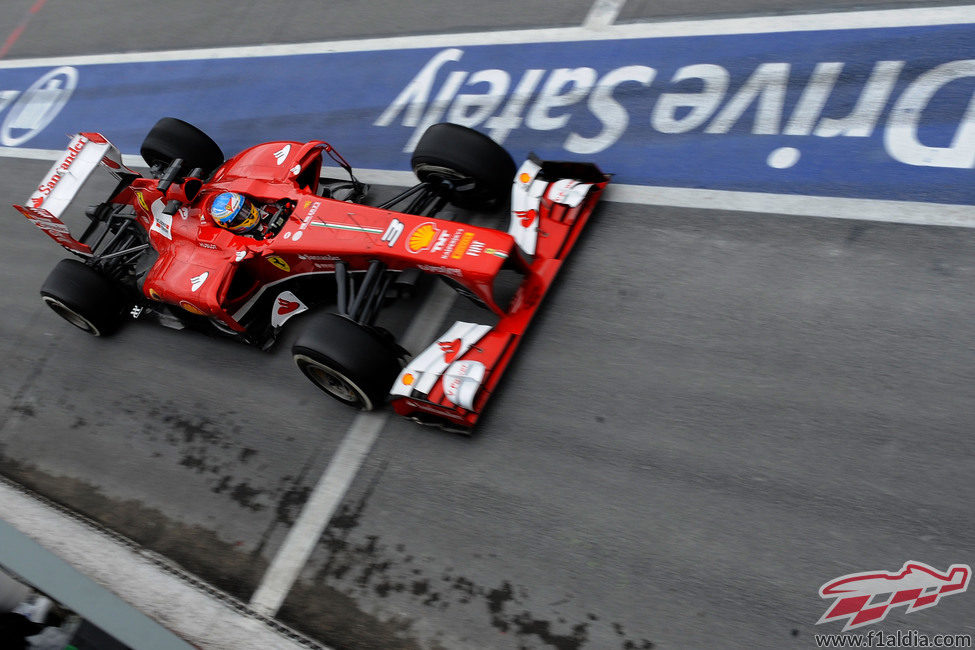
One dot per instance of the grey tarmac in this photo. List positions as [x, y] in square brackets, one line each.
[715, 413]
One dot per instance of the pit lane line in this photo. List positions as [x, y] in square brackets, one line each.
[809, 22]
[332, 486]
[303, 536]
[19, 29]
[358, 441]
[597, 27]
[603, 13]
[794, 205]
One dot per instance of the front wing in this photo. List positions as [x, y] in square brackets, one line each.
[451, 381]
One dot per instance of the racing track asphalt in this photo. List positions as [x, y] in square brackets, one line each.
[715, 413]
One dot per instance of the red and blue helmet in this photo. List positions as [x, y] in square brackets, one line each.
[234, 212]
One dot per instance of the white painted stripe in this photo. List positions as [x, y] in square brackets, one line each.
[342, 226]
[603, 13]
[798, 205]
[907, 212]
[317, 511]
[334, 483]
[190, 612]
[912, 17]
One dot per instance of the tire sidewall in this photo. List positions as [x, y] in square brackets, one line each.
[76, 289]
[172, 138]
[361, 357]
[306, 358]
[69, 312]
[467, 154]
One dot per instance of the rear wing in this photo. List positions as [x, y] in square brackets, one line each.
[61, 185]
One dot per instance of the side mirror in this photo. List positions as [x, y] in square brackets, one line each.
[177, 195]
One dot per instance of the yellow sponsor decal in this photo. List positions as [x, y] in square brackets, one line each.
[142, 201]
[462, 245]
[279, 262]
[154, 295]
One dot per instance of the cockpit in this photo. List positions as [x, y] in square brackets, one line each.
[243, 215]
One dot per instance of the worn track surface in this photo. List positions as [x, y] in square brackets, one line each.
[715, 413]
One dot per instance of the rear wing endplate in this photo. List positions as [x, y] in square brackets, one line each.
[63, 182]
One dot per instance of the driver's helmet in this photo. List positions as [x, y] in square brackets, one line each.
[234, 212]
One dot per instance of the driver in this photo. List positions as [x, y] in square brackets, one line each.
[235, 212]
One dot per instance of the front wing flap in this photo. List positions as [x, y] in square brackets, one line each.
[450, 382]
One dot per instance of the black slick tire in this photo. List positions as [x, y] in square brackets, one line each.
[172, 138]
[480, 169]
[84, 297]
[349, 362]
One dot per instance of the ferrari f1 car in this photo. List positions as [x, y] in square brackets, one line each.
[244, 245]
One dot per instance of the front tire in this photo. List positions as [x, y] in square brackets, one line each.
[478, 168]
[84, 297]
[351, 363]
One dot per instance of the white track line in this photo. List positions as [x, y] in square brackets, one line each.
[121, 563]
[603, 13]
[317, 512]
[341, 471]
[830, 207]
[915, 17]
[134, 577]
[796, 205]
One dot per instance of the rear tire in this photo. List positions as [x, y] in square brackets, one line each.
[84, 297]
[171, 138]
[350, 362]
[479, 168]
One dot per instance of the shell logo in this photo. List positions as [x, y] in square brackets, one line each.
[421, 237]
[524, 177]
[408, 379]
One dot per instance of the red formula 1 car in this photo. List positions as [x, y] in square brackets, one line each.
[245, 244]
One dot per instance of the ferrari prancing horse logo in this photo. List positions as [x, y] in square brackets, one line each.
[279, 262]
